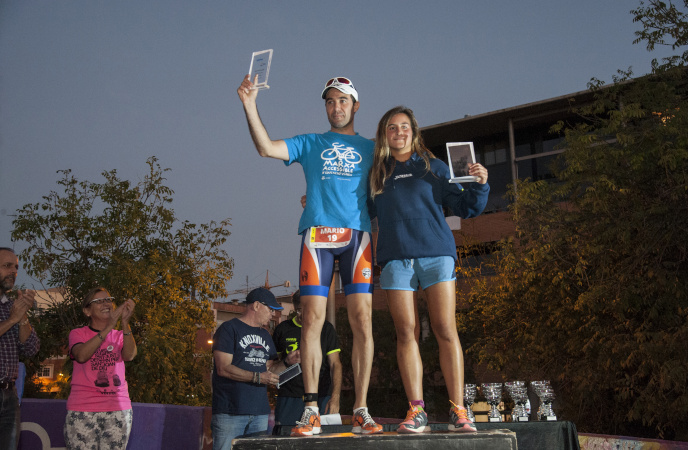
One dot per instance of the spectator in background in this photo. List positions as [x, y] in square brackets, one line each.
[245, 364]
[99, 413]
[17, 338]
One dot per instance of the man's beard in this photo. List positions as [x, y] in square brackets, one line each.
[7, 283]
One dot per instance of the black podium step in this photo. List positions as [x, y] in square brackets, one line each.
[436, 440]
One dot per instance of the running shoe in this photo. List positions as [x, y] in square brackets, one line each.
[364, 424]
[459, 420]
[416, 421]
[309, 424]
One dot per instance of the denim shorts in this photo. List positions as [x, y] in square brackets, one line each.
[408, 274]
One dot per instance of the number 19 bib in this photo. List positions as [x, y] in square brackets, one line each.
[328, 237]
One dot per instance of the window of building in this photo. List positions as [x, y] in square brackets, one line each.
[476, 256]
[46, 371]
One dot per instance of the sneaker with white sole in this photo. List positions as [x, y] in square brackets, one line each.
[459, 421]
[364, 424]
[309, 424]
[416, 421]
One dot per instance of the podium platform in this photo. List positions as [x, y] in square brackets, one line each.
[437, 440]
[560, 435]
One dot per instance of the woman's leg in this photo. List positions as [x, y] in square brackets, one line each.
[79, 430]
[441, 299]
[116, 429]
[402, 306]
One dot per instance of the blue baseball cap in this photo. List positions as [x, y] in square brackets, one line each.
[264, 296]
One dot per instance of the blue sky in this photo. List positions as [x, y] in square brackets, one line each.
[94, 85]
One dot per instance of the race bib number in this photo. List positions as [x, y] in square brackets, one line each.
[328, 237]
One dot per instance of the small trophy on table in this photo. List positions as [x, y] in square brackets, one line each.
[469, 393]
[493, 395]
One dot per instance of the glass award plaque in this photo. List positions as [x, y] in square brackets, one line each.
[288, 374]
[459, 156]
[260, 66]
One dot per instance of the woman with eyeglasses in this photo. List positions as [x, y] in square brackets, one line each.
[99, 413]
[415, 247]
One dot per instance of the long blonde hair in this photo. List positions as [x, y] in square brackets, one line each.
[383, 161]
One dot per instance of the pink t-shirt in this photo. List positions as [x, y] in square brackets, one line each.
[98, 384]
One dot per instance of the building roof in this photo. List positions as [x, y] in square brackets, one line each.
[549, 110]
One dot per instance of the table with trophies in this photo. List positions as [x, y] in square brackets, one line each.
[539, 430]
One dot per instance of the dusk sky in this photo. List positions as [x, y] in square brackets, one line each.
[95, 85]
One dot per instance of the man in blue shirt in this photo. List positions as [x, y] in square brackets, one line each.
[245, 364]
[334, 226]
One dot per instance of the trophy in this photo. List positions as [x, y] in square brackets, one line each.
[493, 395]
[546, 395]
[260, 68]
[469, 393]
[519, 394]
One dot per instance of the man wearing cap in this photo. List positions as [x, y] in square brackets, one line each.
[245, 364]
[17, 337]
[334, 226]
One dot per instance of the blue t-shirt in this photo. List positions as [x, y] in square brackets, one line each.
[251, 348]
[336, 167]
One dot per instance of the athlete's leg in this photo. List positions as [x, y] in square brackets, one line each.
[356, 271]
[404, 310]
[359, 308]
[316, 267]
[441, 298]
[313, 316]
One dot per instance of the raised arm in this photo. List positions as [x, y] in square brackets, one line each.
[83, 351]
[129, 347]
[21, 305]
[265, 146]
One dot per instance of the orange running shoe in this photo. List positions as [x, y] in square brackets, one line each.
[364, 424]
[309, 424]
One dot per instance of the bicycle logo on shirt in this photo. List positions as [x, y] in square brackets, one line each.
[340, 160]
[342, 153]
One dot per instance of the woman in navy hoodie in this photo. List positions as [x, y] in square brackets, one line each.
[415, 247]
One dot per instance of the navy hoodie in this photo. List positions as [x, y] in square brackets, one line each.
[409, 213]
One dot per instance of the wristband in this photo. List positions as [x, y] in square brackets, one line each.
[310, 397]
[23, 322]
[101, 337]
[127, 334]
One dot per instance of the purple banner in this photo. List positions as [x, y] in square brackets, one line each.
[155, 426]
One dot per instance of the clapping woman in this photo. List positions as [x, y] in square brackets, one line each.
[99, 413]
[416, 248]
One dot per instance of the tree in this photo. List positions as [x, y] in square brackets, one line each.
[126, 237]
[593, 291]
[664, 24]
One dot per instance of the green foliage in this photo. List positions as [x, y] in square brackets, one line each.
[664, 24]
[126, 237]
[593, 293]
